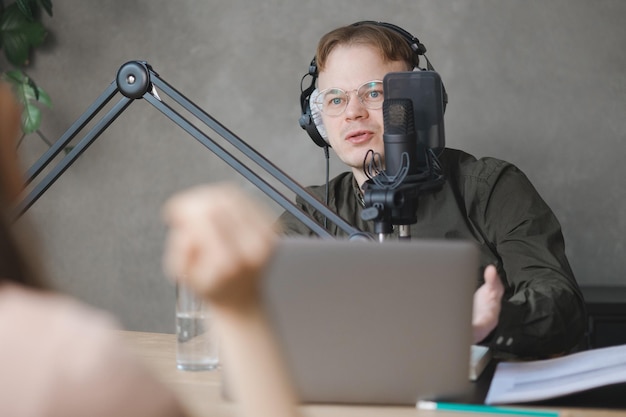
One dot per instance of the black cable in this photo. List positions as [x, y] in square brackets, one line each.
[327, 191]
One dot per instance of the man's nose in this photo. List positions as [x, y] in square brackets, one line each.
[355, 108]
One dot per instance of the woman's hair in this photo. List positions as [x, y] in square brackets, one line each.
[17, 261]
[391, 45]
[17, 243]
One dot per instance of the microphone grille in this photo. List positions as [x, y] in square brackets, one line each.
[398, 116]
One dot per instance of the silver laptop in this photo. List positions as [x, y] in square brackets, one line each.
[374, 323]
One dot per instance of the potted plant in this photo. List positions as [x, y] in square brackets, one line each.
[21, 30]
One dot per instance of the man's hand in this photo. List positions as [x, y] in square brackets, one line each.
[487, 304]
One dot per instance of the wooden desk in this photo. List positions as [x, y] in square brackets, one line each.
[201, 391]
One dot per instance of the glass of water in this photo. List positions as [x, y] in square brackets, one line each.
[196, 341]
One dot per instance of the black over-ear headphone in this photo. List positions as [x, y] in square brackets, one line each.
[310, 121]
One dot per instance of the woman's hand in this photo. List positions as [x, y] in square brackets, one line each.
[218, 243]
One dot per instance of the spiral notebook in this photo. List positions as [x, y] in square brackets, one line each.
[374, 323]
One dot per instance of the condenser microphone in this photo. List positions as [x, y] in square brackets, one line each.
[399, 138]
[426, 92]
[413, 137]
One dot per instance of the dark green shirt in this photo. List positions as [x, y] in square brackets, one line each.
[494, 204]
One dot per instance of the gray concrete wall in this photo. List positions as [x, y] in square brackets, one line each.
[538, 83]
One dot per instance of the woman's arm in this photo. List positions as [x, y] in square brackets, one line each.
[218, 244]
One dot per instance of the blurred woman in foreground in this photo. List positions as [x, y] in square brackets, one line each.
[60, 357]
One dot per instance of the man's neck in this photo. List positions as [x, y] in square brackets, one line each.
[360, 176]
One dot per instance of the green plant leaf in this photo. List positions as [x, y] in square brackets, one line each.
[32, 92]
[31, 118]
[28, 93]
[14, 77]
[24, 7]
[19, 35]
[46, 5]
[31, 8]
[43, 97]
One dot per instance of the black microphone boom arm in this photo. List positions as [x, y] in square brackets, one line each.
[136, 79]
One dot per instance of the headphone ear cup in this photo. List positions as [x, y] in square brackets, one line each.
[317, 116]
[311, 121]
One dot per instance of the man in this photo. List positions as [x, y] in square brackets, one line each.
[528, 303]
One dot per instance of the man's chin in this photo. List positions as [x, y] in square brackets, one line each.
[366, 158]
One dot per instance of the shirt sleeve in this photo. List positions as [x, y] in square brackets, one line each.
[341, 200]
[291, 226]
[543, 311]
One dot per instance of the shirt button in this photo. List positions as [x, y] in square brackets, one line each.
[499, 340]
[509, 341]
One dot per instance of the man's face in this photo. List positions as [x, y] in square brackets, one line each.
[358, 129]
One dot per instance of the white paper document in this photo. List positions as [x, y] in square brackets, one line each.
[515, 382]
[480, 356]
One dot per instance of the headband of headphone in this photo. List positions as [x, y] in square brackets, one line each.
[311, 119]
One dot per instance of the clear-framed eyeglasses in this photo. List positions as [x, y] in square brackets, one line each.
[334, 101]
